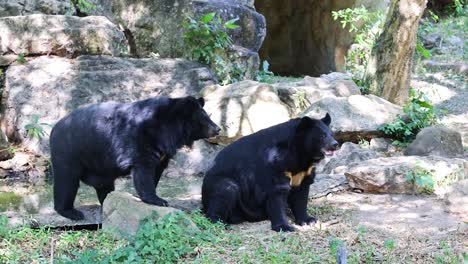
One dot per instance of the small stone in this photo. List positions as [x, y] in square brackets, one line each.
[380, 144]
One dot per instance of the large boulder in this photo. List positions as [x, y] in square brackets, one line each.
[28, 7]
[389, 174]
[347, 154]
[66, 84]
[193, 161]
[456, 199]
[61, 35]
[301, 94]
[156, 26]
[244, 108]
[355, 117]
[436, 140]
[122, 213]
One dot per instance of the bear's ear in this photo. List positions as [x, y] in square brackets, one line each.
[327, 119]
[201, 101]
[304, 124]
[185, 105]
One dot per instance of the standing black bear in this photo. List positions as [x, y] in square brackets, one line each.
[256, 177]
[98, 143]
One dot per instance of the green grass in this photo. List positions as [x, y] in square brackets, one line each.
[173, 240]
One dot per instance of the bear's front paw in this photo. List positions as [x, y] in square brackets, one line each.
[307, 221]
[73, 214]
[284, 228]
[155, 201]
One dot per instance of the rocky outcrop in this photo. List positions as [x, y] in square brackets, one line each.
[300, 95]
[244, 108]
[303, 38]
[28, 7]
[66, 84]
[436, 140]
[122, 213]
[347, 154]
[389, 175]
[65, 36]
[355, 117]
[156, 26]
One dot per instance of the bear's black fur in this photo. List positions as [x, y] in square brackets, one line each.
[98, 143]
[258, 176]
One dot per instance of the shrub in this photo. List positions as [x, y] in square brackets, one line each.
[208, 42]
[418, 114]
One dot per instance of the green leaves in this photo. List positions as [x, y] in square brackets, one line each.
[418, 114]
[207, 18]
[231, 24]
[208, 42]
[35, 129]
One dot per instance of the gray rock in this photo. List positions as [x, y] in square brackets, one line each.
[28, 7]
[388, 175]
[456, 199]
[122, 213]
[436, 140]
[458, 67]
[300, 95]
[194, 161]
[355, 117]
[156, 25]
[431, 41]
[380, 144]
[347, 154]
[66, 84]
[244, 108]
[61, 35]
[325, 184]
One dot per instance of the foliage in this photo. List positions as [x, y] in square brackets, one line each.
[20, 59]
[418, 114]
[447, 255]
[421, 178]
[35, 129]
[167, 240]
[83, 5]
[366, 26]
[208, 42]
[264, 75]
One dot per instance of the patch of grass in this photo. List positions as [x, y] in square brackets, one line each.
[20, 59]
[9, 200]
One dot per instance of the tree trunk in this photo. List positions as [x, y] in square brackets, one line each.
[389, 69]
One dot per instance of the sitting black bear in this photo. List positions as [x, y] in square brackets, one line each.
[98, 143]
[258, 176]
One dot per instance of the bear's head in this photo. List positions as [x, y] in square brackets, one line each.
[198, 121]
[315, 137]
